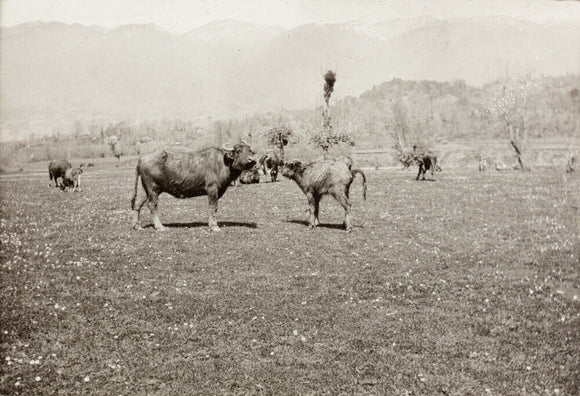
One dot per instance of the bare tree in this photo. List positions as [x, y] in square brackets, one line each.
[509, 108]
[278, 132]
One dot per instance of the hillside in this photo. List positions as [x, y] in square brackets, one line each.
[53, 75]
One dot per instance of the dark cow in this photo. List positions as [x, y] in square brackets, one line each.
[330, 177]
[72, 179]
[270, 164]
[250, 176]
[427, 161]
[57, 169]
[185, 173]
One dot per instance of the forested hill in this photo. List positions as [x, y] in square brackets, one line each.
[436, 112]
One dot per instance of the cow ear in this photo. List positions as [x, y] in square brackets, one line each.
[228, 158]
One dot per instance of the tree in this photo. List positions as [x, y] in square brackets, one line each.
[509, 108]
[278, 132]
[327, 136]
[117, 153]
[405, 145]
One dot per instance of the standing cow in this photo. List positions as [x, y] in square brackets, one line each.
[270, 164]
[72, 179]
[330, 177]
[186, 173]
[427, 161]
[57, 169]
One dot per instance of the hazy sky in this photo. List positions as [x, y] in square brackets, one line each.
[179, 16]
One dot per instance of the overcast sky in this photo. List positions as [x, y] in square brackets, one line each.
[179, 16]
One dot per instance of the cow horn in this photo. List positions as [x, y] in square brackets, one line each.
[227, 147]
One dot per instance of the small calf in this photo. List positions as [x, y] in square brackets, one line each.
[324, 178]
[72, 179]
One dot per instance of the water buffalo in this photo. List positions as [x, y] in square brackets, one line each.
[329, 177]
[72, 179]
[427, 161]
[57, 169]
[250, 176]
[185, 173]
[270, 164]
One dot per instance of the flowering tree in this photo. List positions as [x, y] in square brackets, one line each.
[509, 108]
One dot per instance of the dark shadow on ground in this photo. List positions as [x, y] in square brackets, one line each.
[198, 224]
[431, 180]
[323, 225]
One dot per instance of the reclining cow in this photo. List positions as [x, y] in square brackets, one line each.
[72, 179]
[250, 176]
[57, 169]
[186, 173]
[330, 177]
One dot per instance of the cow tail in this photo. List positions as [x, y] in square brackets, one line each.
[137, 175]
[360, 172]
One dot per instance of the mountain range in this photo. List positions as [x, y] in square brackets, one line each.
[54, 74]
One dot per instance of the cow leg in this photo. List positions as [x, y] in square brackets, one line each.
[212, 194]
[316, 210]
[152, 201]
[419, 174]
[312, 202]
[345, 203]
[79, 183]
[137, 210]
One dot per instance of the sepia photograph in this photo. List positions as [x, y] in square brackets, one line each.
[290, 197]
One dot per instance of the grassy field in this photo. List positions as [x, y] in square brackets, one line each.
[465, 285]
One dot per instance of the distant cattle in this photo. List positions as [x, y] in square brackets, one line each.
[330, 177]
[270, 164]
[571, 164]
[72, 179]
[500, 166]
[185, 173]
[90, 165]
[427, 161]
[250, 176]
[57, 169]
[482, 163]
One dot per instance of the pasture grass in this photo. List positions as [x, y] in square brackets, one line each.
[464, 285]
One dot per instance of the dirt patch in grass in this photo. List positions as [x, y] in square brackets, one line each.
[465, 285]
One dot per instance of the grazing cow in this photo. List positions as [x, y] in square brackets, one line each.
[186, 173]
[330, 177]
[427, 161]
[90, 165]
[250, 176]
[72, 179]
[270, 164]
[57, 169]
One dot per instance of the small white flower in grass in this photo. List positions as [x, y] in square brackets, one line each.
[37, 379]
[86, 379]
[17, 383]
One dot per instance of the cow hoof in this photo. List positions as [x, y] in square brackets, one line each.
[215, 229]
[160, 229]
